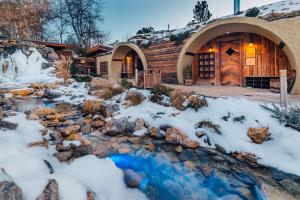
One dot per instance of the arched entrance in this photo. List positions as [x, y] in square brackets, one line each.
[128, 61]
[237, 52]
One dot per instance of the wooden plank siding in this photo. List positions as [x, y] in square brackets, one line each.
[164, 57]
[269, 58]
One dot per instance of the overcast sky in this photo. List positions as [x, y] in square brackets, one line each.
[124, 17]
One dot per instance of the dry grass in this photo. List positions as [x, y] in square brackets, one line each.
[135, 97]
[63, 67]
[177, 99]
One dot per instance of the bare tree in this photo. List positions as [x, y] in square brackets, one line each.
[24, 19]
[59, 14]
[84, 16]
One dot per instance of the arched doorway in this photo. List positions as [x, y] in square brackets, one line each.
[128, 61]
[237, 52]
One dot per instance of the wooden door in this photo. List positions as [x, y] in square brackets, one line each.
[230, 63]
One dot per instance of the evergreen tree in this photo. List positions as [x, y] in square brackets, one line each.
[201, 12]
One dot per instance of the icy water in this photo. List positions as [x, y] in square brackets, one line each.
[161, 180]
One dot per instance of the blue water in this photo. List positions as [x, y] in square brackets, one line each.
[176, 182]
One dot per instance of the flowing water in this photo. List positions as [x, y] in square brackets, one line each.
[17, 68]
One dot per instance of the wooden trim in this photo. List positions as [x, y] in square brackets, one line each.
[228, 39]
[118, 60]
[190, 54]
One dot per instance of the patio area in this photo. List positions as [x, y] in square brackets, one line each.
[263, 95]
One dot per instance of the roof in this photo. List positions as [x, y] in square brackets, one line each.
[270, 12]
[99, 47]
[53, 44]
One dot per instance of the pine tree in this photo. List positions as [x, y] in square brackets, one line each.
[201, 12]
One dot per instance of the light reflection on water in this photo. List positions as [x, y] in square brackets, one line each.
[162, 180]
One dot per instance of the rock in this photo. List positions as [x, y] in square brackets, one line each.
[175, 136]
[43, 143]
[70, 81]
[22, 92]
[178, 149]
[56, 137]
[164, 127]
[90, 195]
[259, 135]
[49, 94]
[118, 126]
[177, 99]
[150, 147]
[188, 154]
[99, 83]
[139, 124]
[190, 165]
[274, 194]
[291, 186]
[42, 112]
[91, 107]
[70, 130]
[86, 129]
[107, 110]
[8, 189]
[38, 86]
[134, 98]
[196, 103]
[132, 179]
[64, 155]
[8, 125]
[248, 158]
[39, 94]
[124, 150]
[155, 133]
[98, 124]
[50, 192]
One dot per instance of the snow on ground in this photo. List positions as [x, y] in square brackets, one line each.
[27, 168]
[281, 152]
[25, 69]
[75, 93]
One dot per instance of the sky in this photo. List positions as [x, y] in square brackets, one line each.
[124, 17]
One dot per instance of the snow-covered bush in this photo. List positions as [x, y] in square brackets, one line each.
[289, 116]
[161, 90]
[180, 37]
[196, 103]
[252, 12]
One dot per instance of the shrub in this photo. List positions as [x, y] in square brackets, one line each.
[180, 37]
[63, 67]
[187, 72]
[126, 84]
[289, 116]
[82, 78]
[177, 99]
[134, 97]
[144, 30]
[197, 103]
[161, 90]
[252, 12]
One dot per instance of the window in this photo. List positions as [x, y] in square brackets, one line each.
[103, 68]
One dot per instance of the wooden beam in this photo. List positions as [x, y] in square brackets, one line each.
[190, 54]
[118, 60]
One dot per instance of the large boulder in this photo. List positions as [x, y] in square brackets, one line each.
[177, 99]
[259, 135]
[118, 126]
[8, 189]
[22, 92]
[50, 192]
[49, 94]
[176, 136]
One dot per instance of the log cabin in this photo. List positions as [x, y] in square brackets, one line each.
[234, 50]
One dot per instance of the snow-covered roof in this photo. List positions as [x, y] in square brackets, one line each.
[270, 12]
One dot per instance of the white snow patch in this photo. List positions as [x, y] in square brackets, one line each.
[28, 170]
[23, 69]
[281, 152]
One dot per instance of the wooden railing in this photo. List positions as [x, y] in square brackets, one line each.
[151, 78]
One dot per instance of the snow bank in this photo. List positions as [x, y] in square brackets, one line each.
[28, 170]
[23, 69]
[281, 152]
